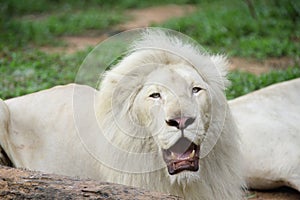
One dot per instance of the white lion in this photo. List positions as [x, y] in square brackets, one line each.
[269, 123]
[160, 121]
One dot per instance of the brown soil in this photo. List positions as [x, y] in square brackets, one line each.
[260, 67]
[145, 17]
[140, 18]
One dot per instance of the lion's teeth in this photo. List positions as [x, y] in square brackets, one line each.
[173, 155]
[192, 154]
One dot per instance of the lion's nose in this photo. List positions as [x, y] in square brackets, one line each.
[181, 122]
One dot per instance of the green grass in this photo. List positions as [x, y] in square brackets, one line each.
[16, 7]
[243, 82]
[24, 23]
[42, 30]
[26, 72]
[34, 70]
[273, 31]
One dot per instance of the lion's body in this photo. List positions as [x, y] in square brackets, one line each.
[116, 134]
[269, 121]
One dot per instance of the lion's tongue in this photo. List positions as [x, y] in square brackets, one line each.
[182, 146]
[189, 153]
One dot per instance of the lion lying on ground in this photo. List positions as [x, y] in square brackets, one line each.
[160, 121]
[269, 124]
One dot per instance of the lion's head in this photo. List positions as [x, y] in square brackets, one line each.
[174, 104]
[167, 98]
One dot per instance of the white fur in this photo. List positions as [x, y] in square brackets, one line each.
[76, 130]
[270, 132]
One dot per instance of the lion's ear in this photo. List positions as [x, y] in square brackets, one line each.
[222, 64]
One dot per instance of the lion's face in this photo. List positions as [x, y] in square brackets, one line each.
[173, 103]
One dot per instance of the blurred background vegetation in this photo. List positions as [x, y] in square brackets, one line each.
[257, 29]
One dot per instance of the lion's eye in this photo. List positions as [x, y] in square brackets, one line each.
[155, 95]
[195, 90]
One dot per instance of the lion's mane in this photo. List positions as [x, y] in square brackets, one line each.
[220, 169]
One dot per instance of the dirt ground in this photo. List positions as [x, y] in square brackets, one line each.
[140, 18]
[147, 16]
[260, 67]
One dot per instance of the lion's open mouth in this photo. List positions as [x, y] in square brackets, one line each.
[183, 155]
